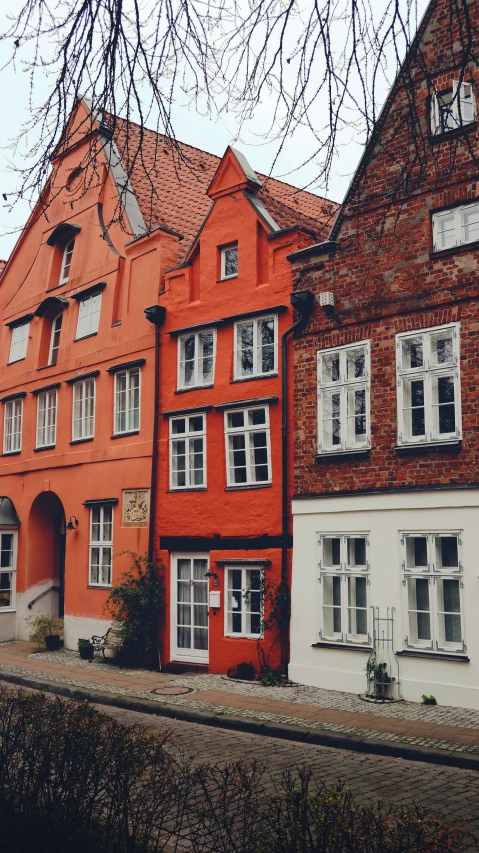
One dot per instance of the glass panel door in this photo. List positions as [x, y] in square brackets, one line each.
[190, 631]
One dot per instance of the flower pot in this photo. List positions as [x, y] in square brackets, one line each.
[52, 642]
[86, 652]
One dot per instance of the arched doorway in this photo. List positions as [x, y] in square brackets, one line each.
[45, 575]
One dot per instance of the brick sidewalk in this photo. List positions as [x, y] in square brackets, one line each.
[405, 724]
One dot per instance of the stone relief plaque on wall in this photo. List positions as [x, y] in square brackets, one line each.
[136, 508]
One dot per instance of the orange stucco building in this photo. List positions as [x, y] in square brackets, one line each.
[96, 390]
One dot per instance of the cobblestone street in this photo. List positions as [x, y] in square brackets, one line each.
[451, 792]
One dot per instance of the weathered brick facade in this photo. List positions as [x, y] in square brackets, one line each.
[387, 279]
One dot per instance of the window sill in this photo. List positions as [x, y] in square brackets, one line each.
[252, 378]
[435, 138]
[12, 453]
[45, 366]
[8, 610]
[16, 360]
[350, 647]
[247, 486]
[241, 636]
[81, 440]
[192, 388]
[45, 447]
[415, 653]
[98, 586]
[436, 254]
[345, 455]
[123, 434]
[189, 489]
[226, 278]
[429, 447]
[84, 337]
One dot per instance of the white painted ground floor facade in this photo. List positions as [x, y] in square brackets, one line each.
[412, 555]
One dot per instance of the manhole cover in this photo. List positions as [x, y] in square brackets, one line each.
[172, 691]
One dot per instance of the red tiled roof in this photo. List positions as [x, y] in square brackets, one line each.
[3, 264]
[170, 183]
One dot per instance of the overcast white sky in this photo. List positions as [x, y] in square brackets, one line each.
[195, 129]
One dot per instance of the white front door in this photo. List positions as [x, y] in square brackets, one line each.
[189, 611]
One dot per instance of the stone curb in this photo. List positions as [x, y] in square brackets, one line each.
[223, 720]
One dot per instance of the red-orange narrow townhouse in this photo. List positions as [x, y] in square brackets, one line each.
[77, 385]
[386, 505]
[222, 535]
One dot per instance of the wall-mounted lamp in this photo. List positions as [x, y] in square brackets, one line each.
[211, 575]
[326, 301]
[72, 523]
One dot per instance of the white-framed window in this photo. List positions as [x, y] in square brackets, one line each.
[66, 262]
[88, 315]
[452, 108]
[429, 398]
[8, 566]
[248, 450]
[188, 451]
[432, 581]
[83, 416]
[101, 544]
[455, 227]
[47, 418]
[196, 359]
[256, 347]
[344, 580]
[127, 401]
[19, 342]
[55, 338]
[12, 425]
[343, 398]
[229, 261]
[243, 611]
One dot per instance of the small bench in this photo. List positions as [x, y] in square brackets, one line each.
[112, 640]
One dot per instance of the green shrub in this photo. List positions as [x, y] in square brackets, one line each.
[136, 602]
[245, 671]
[42, 625]
[429, 700]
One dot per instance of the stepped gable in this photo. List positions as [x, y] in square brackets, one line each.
[180, 178]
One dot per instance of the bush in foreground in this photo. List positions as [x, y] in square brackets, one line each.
[72, 778]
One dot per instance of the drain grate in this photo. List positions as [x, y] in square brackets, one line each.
[172, 691]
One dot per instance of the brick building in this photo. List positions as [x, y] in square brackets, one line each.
[91, 386]
[386, 504]
[220, 468]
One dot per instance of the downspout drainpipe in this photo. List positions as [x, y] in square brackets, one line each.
[156, 315]
[303, 302]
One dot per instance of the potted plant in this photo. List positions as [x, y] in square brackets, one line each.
[86, 649]
[46, 629]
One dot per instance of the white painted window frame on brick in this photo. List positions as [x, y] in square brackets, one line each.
[341, 574]
[66, 262]
[19, 342]
[344, 390]
[247, 432]
[450, 228]
[256, 324]
[199, 376]
[243, 602]
[55, 335]
[189, 438]
[127, 402]
[47, 411]
[12, 425]
[224, 250]
[83, 409]
[429, 373]
[9, 570]
[101, 517]
[432, 576]
[457, 103]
